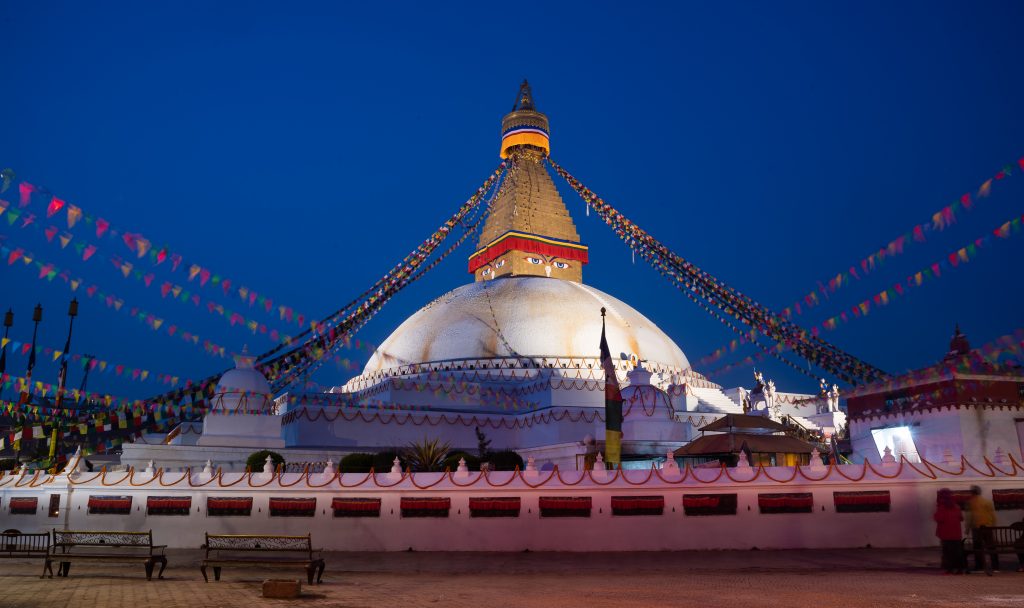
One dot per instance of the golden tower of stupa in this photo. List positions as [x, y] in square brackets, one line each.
[529, 231]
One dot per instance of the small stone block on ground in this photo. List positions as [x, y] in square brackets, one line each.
[282, 589]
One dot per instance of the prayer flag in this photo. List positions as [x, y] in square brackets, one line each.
[612, 403]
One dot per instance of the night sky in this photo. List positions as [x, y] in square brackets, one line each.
[302, 151]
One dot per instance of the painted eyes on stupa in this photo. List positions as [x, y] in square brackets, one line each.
[538, 261]
[499, 263]
[486, 271]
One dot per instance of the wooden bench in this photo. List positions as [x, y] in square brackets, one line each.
[93, 546]
[15, 543]
[264, 550]
[1002, 540]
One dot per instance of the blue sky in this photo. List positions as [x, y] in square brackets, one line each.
[302, 150]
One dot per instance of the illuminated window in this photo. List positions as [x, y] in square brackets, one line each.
[54, 510]
[899, 440]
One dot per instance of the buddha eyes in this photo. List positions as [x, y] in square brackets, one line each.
[485, 271]
[538, 261]
[499, 263]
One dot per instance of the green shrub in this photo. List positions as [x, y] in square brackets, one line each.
[504, 460]
[257, 460]
[426, 455]
[356, 463]
[452, 461]
[382, 461]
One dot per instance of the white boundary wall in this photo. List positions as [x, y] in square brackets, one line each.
[908, 523]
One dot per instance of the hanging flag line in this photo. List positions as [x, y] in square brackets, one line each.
[178, 293]
[726, 299]
[91, 363]
[39, 423]
[49, 272]
[402, 274]
[939, 221]
[929, 273]
[294, 361]
[141, 247]
[336, 330]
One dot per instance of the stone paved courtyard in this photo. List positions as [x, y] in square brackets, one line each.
[847, 578]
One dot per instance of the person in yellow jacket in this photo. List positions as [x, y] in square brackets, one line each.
[981, 516]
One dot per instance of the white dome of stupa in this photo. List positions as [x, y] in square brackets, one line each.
[524, 317]
[243, 388]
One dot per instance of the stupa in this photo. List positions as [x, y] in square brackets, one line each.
[514, 353]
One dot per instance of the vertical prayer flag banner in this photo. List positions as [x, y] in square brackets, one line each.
[612, 403]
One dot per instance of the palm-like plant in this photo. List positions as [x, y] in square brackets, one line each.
[426, 455]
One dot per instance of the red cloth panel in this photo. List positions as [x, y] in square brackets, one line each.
[861, 498]
[356, 504]
[510, 503]
[110, 502]
[574, 503]
[293, 504]
[229, 503]
[701, 502]
[156, 502]
[530, 245]
[24, 503]
[426, 504]
[1007, 496]
[625, 503]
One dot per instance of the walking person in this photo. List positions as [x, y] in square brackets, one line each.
[948, 518]
[981, 516]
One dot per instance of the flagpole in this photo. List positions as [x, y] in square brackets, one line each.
[62, 381]
[26, 390]
[612, 403]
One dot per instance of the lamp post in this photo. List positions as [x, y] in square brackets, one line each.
[62, 380]
[8, 322]
[26, 389]
[26, 392]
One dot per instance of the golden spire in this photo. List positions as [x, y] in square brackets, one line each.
[524, 126]
[528, 231]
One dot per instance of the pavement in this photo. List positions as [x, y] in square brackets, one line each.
[848, 578]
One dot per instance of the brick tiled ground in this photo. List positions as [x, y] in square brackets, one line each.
[849, 579]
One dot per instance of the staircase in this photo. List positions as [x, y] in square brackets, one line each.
[713, 400]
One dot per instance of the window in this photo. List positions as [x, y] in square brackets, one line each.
[54, 510]
[899, 440]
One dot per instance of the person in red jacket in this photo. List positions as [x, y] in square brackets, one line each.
[948, 521]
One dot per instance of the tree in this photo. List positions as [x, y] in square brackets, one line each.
[256, 460]
[426, 455]
[505, 460]
[483, 444]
